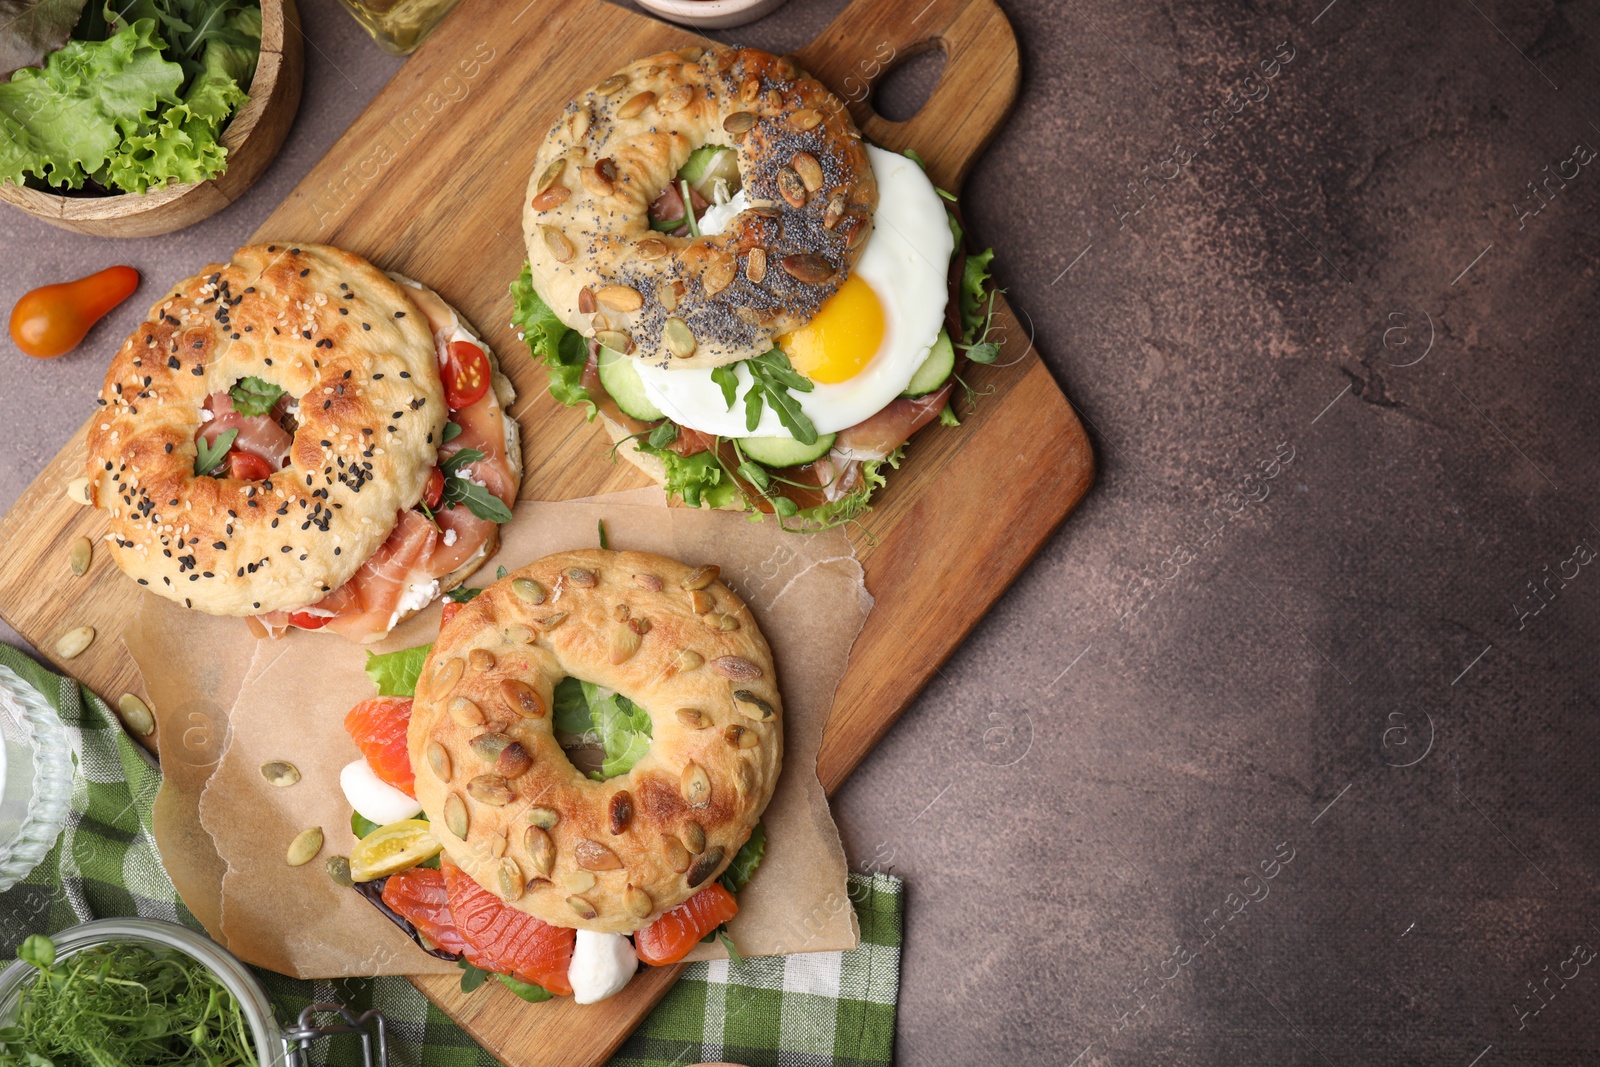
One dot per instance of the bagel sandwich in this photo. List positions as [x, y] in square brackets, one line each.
[570, 780]
[299, 438]
[761, 306]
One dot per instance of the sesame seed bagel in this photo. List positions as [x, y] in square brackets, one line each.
[333, 331]
[511, 809]
[711, 300]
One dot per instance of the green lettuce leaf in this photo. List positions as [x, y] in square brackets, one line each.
[974, 281]
[562, 351]
[254, 396]
[618, 725]
[696, 479]
[67, 120]
[854, 504]
[396, 673]
[31, 29]
[746, 860]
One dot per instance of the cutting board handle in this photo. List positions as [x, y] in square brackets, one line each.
[967, 106]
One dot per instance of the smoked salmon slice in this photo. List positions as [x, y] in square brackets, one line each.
[378, 727]
[670, 937]
[506, 940]
[418, 895]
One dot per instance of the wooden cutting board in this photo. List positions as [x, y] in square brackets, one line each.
[429, 182]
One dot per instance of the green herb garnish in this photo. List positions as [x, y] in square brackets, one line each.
[124, 1004]
[254, 396]
[728, 381]
[459, 490]
[774, 376]
[208, 457]
[451, 432]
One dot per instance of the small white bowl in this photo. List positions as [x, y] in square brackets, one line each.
[711, 14]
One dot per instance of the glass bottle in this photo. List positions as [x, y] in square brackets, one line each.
[399, 25]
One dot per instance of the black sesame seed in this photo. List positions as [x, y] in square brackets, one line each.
[399, 314]
[305, 272]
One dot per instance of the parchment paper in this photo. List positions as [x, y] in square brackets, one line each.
[288, 699]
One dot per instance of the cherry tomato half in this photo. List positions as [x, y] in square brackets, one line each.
[307, 621]
[435, 489]
[53, 319]
[466, 375]
[449, 612]
[247, 466]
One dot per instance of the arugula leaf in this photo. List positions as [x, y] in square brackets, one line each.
[746, 860]
[254, 396]
[33, 29]
[663, 435]
[727, 943]
[728, 381]
[563, 352]
[602, 524]
[463, 593]
[458, 489]
[533, 994]
[500, 572]
[396, 673]
[361, 826]
[471, 977]
[451, 432]
[209, 456]
[774, 376]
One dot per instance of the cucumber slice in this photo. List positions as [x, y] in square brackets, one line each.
[779, 452]
[621, 381]
[695, 167]
[935, 369]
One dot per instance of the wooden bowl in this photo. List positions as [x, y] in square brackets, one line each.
[252, 138]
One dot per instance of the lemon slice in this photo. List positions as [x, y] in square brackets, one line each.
[392, 848]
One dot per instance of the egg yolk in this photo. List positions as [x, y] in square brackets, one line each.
[842, 338]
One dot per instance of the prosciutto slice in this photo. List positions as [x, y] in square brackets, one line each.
[260, 435]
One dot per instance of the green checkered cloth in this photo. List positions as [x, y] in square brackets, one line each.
[817, 1009]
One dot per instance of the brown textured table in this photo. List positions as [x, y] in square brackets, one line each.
[1333, 283]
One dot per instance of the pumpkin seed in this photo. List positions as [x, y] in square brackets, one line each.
[79, 555]
[488, 746]
[791, 188]
[719, 273]
[678, 338]
[637, 901]
[464, 712]
[701, 576]
[136, 715]
[701, 601]
[338, 868]
[583, 579]
[807, 267]
[522, 698]
[747, 778]
[677, 856]
[511, 881]
[635, 105]
[705, 866]
[856, 231]
[490, 789]
[805, 164]
[541, 850]
[620, 298]
[675, 99]
[694, 838]
[455, 815]
[73, 642]
[514, 761]
[279, 773]
[78, 492]
[497, 844]
[544, 818]
[648, 582]
[669, 296]
[620, 810]
[755, 266]
[749, 89]
[304, 848]
[739, 122]
[834, 211]
[695, 785]
[614, 84]
[550, 622]
[739, 736]
[448, 673]
[551, 198]
[551, 172]
[439, 761]
[582, 908]
[528, 590]
[690, 660]
[736, 667]
[519, 634]
[593, 856]
[600, 179]
[752, 705]
[585, 301]
[480, 659]
[560, 247]
[693, 718]
[720, 622]
[578, 881]
[806, 119]
[624, 643]
[650, 248]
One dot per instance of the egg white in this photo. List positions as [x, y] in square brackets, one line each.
[905, 261]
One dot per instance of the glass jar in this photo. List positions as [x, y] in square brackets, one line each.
[275, 1046]
[35, 777]
[399, 25]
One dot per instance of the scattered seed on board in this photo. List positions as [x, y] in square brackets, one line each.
[73, 642]
[339, 871]
[79, 555]
[280, 773]
[304, 848]
[136, 715]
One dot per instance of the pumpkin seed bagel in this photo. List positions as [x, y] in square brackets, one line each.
[510, 808]
[333, 331]
[709, 300]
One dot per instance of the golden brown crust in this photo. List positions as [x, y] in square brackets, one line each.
[597, 263]
[537, 832]
[332, 330]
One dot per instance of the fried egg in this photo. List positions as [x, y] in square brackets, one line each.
[865, 343]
